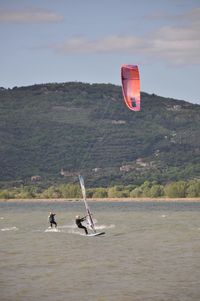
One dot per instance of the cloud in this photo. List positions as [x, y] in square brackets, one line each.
[188, 16]
[176, 45]
[192, 16]
[28, 16]
[105, 45]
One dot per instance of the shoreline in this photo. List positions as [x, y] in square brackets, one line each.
[186, 200]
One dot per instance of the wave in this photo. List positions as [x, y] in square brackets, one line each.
[76, 232]
[52, 230]
[100, 227]
[9, 229]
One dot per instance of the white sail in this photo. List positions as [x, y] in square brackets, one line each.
[81, 180]
[89, 215]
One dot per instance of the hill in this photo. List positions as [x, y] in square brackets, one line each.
[56, 131]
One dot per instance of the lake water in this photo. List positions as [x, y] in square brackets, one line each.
[151, 252]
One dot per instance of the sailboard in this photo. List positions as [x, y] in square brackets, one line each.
[89, 217]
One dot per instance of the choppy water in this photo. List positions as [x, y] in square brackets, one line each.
[151, 251]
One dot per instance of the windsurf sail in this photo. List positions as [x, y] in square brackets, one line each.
[89, 214]
[131, 86]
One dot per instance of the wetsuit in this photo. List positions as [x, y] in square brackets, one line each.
[52, 220]
[79, 221]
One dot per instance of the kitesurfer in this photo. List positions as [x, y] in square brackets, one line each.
[52, 219]
[79, 221]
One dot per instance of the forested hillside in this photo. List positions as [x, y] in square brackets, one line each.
[55, 131]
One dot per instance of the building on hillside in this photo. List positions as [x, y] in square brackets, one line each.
[96, 169]
[36, 179]
[66, 173]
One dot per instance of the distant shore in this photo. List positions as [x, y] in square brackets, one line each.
[105, 200]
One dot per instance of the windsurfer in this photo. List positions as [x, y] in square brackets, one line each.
[79, 221]
[52, 219]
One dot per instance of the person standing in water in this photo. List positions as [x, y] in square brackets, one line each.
[79, 221]
[52, 219]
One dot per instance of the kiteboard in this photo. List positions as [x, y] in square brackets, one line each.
[96, 234]
[89, 216]
[49, 229]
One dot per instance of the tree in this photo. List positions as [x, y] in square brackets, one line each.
[6, 194]
[71, 191]
[100, 193]
[176, 189]
[146, 187]
[137, 192]
[156, 191]
[193, 189]
[51, 192]
[118, 192]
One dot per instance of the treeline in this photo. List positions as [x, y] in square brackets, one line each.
[180, 189]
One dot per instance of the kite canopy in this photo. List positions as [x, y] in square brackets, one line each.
[131, 86]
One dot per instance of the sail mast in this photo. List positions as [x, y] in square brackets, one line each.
[89, 215]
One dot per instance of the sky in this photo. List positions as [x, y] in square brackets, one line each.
[45, 41]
